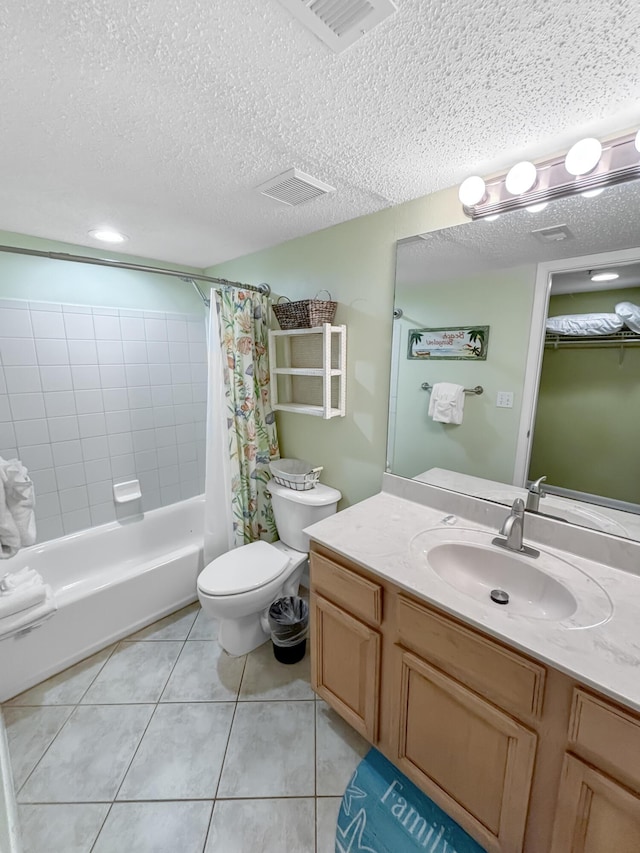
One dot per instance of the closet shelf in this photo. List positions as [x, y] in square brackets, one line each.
[615, 339]
[308, 370]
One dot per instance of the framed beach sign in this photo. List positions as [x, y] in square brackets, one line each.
[464, 343]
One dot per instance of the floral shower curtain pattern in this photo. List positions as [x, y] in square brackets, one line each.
[251, 423]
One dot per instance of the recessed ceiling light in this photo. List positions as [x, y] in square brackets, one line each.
[604, 276]
[108, 235]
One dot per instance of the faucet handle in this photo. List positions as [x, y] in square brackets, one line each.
[518, 507]
[536, 487]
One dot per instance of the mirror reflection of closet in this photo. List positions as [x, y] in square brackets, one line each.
[588, 407]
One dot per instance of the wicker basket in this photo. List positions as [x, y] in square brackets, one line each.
[305, 313]
[295, 474]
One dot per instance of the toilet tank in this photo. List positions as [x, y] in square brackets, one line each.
[293, 511]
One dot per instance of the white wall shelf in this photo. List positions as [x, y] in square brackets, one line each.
[308, 370]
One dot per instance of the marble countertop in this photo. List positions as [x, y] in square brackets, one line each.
[377, 534]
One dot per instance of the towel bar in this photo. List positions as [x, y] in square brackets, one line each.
[426, 386]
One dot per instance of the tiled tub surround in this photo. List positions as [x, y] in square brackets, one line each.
[165, 743]
[90, 396]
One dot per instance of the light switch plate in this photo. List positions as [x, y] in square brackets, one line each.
[504, 400]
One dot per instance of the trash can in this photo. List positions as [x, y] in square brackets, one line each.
[289, 623]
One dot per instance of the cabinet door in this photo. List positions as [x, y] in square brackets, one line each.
[594, 814]
[345, 665]
[472, 759]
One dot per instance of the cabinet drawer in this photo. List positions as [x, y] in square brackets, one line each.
[356, 594]
[606, 735]
[511, 681]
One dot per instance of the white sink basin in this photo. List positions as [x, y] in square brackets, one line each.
[476, 570]
[546, 587]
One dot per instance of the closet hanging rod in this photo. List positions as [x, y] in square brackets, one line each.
[105, 262]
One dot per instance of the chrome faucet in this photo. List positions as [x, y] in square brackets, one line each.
[535, 493]
[513, 529]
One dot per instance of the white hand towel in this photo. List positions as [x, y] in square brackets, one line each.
[23, 598]
[447, 403]
[21, 501]
[9, 535]
[27, 619]
[23, 578]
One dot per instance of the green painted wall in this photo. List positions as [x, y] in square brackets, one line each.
[484, 444]
[46, 280]
[355, 261]
[586, 431]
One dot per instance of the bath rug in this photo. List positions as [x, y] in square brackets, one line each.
[383, 812]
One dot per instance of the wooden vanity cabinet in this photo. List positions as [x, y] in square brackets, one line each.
[473, 760]
[346, 651]
[599, 805]
[345, 663]
[524, 758]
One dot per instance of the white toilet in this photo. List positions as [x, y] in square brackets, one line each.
[238, 587]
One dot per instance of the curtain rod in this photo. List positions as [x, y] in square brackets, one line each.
[105, 262]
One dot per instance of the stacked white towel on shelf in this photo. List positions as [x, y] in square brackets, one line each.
[17, 502]
[25, 602]
[447, 403]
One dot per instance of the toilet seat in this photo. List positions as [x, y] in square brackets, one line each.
[243, 569]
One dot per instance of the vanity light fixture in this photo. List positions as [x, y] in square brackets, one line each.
[604, 276]
[108, 235]
[587, 169]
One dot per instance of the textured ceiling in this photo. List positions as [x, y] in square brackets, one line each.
[158, 117]
[608, 223]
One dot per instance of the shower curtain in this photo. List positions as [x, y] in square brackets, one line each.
[241, 427]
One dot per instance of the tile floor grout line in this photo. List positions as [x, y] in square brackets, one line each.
[107, 659]
[33, 769]
[233, 718]
[224, 757]
[106, 817]
[146, 728]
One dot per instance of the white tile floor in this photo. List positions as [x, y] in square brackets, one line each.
[165, 744]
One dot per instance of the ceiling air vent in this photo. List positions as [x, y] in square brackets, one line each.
[294, 187]
[339, 23]
[553, 234]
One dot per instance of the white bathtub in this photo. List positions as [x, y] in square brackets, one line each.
[109, 581]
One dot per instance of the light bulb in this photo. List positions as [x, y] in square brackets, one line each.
[108, 235]
[605, 276]
[521, 178]
[592, 193]
[583, 157]
[472, 191]
[536, 208]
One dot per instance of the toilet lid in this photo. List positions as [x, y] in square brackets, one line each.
[242, 569]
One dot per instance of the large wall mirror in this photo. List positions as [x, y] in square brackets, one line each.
[472, 305]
